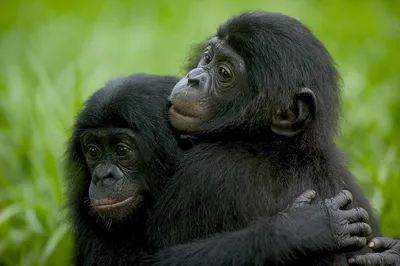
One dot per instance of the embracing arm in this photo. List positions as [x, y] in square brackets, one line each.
[300, 229]
[387, 252]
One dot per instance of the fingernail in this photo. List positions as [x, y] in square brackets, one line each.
[351, 260]
[371, 244]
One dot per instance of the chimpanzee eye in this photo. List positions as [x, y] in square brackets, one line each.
[122, 150]
[224, 73]
[207, 58]
[93, 151]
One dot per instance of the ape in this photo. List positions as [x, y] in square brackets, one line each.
[122, 152]
[118, 158]
[262, 105]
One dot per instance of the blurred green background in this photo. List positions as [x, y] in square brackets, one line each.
[53, 55]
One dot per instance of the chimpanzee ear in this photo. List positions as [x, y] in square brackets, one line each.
[292, 122]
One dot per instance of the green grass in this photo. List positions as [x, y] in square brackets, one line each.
[54, 55]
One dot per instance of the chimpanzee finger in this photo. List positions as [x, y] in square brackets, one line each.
[354, 241]
[381, 243]
[304, 199]
[356, 215]
[359, 229]
[373, 259]
[341, 200]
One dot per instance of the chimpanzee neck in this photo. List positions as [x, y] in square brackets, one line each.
[260, 140]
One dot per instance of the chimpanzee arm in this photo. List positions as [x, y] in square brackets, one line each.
[302, 228]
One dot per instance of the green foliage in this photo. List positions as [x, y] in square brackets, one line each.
[55, 54]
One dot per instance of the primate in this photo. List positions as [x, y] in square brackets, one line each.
[120, 157]
[120, 154]
[261, 108]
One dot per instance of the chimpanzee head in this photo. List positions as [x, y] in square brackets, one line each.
[262, 74]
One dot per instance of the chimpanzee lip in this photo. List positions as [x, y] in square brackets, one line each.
[180, 112]
[109, 204]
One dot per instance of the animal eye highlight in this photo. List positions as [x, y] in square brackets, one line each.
[207, 58]
[122, 150]
[224, 73]
[93, 151]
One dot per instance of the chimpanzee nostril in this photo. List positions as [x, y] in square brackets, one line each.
[193, 81]
[194, 76]
[106, 171]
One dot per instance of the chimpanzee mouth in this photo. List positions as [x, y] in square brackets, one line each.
[183, 121]
[105, 205]
[178, 111]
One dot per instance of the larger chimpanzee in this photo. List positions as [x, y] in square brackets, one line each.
[263, 105]
[121, 153]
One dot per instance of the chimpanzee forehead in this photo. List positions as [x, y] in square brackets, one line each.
[121, 133]
[223, 48]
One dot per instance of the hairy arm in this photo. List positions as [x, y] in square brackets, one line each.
[302, 228]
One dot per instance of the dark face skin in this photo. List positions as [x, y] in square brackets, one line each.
[218, 76]
[112, 158]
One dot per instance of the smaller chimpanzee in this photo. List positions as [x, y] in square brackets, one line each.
[121, 153]
[119, 156]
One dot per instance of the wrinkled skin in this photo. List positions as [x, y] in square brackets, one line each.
[387, 253]
[191, 108]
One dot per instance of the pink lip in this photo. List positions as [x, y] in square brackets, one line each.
[177, 110]
[104, 205]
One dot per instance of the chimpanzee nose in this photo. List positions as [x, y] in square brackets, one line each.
[194, 76]
[106, 173]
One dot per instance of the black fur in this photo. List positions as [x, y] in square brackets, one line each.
[139, 103]
[240, 170]
[226, 181]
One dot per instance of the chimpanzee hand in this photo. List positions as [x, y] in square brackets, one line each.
[301, 201]
[348, 227]
[387, 253]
